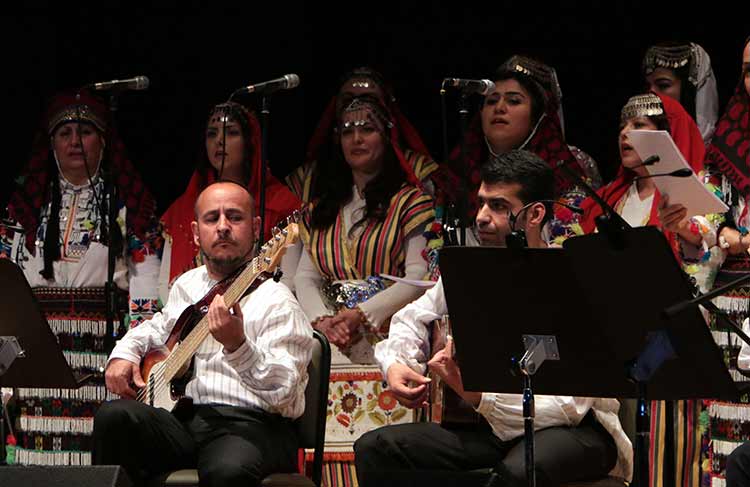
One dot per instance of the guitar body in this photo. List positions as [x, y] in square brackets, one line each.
[166, 396]
[167, 370]
[446, 407]
[152, 365]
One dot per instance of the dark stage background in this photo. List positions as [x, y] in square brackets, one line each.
[197, 60]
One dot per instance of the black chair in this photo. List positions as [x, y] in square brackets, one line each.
[310, 427]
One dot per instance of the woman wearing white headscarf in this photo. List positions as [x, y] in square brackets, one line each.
[683, 71]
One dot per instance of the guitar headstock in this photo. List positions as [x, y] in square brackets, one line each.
[270, 254]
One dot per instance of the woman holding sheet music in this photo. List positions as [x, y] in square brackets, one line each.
[692, 238]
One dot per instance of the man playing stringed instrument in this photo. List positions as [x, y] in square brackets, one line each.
[250, 370]
[576, 438]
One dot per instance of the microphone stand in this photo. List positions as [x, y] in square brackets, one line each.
[265, 115]
[462, 206]
[539, 348]
[609, 222]
[110, 288]
[705, 301]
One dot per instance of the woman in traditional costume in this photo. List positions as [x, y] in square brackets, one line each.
[58, 235]
[692, 238]
[366, 216]
[682, 71]
[233, 152]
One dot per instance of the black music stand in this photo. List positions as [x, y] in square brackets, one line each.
[605, 316]
[41, 363]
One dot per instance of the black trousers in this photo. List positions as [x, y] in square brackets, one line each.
[228, 445]
[429, 454]
[738, 466]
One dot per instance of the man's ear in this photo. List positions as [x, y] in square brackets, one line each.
[256, 229]
[535, 215]
[194, 228]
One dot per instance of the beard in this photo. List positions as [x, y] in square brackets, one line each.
[225, 264]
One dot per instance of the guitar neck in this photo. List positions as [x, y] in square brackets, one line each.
[268, 259]
[189, 346]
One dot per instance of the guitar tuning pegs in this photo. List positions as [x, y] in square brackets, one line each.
[285, 232]
[267, 260]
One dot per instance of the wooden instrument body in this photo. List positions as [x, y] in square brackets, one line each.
[446, 406]
[161, 367]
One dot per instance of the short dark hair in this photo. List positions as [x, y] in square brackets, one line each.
[525, 168]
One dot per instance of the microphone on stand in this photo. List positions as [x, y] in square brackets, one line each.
[609, 222]
[649, 161]
[286, 82]
[480, 86]
[678, 173]
[137, 83]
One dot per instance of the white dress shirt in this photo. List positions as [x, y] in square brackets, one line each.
[268, 371]
[409, 343]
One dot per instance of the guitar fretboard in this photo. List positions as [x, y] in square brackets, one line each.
[187, 348]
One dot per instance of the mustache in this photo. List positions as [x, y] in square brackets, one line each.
[224, 240]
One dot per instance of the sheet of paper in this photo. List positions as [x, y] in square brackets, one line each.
[412, 282]
[687, 191]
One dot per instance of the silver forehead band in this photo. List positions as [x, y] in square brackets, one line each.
[362, 123]
[221, 117]
[355, 123]
[360, 84]
[642, 106]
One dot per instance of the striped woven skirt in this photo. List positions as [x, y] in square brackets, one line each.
[54, 426]
[728, 424]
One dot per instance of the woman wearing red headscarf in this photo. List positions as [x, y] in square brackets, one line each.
[729, 156]
[323, 143]
[437, 180]
[524, 111]
[693, 241]
[366, 220]
[638, 201]
[233, 152]
[60, 241]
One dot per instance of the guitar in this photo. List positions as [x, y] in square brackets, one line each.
[160, 368]
[446, 406]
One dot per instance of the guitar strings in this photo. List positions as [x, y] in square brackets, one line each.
[160, 382]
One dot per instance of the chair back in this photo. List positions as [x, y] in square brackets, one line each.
[311, 426]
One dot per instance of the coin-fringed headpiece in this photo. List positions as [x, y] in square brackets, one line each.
[673, 57]
[648, 105]
[536, 70]
[77, 112]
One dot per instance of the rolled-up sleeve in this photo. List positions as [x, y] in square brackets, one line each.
[408, 340]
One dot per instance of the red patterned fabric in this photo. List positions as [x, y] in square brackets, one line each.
[33, 192]
[280, 203]
[730, 147]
